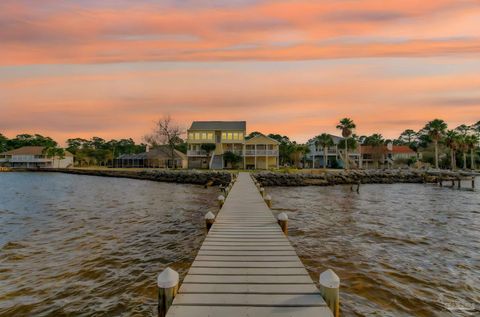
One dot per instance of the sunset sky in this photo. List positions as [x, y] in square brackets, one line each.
[110, 68]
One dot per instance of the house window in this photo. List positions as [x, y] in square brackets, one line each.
[204, 135]
[224, 135]
[191, 136]
[197, 135]
[210, 136]
[240, 136]
[235, 136]
[230, 135]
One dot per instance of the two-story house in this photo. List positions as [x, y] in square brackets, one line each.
[228, 136]
[335, 153]
[34, 157]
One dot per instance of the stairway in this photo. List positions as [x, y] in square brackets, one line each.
[217, 162]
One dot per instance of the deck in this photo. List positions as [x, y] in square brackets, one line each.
[247, 267]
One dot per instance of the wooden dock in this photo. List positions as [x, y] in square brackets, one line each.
[247, 267]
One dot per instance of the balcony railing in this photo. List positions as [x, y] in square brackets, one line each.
[261, 152]
[27, 160]
[238, 152]
[196, 153]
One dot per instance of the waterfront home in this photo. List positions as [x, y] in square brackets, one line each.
[34, 157]
[335, 154]
[386, 155]
[157, 157]
[209, 141]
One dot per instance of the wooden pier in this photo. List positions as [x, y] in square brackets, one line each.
[246, 266]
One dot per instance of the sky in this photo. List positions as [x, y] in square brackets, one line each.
[111, 68]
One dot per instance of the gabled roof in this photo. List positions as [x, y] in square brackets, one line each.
[336, 139]
[161, 152]
[30, 150]
[260, 135]
[219, 125]
[396, 149]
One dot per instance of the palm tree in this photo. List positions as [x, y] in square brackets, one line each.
[436, 130]
[451, 140]
[346, 125]
[472, 142]
[324, 140]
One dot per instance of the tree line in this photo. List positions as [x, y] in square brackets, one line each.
[440, 146]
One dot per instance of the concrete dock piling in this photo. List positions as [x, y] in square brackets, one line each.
[221, 200]
[262, 191]
[268, 200]
[209, 220]
[330, 290]
[167, 283]
[282, 220]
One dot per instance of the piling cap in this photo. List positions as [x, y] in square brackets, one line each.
[262, 189]
[221, 197]
[329, 279]
[167, 279]
[282, 216]
[268, 197]
[209, 216]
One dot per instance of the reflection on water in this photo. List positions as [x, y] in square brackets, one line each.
[83, 245]
[399, 250]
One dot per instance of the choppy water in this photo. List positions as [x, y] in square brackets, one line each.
[399, 250]
[90, 246]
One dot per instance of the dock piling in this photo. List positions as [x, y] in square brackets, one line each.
[167, 283]
[282, 220]
[459, 184]
[262, 192]
[268, 200]
[221, 200]
[473, 182]
[209, 220]
[330, 290]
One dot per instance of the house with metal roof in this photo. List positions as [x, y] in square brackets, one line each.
[212, 144]
[157, 157]
[34, 157]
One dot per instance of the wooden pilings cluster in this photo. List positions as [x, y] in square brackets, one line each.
[458, 180]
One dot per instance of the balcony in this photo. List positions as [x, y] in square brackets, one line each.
[27, 160]
[261, 152]
[196, 153]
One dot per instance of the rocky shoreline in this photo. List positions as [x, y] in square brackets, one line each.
[212, 178]
[354, 177]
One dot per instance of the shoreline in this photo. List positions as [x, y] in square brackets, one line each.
[351, 177]
[273, 178]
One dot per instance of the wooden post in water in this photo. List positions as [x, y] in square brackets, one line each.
[262, 191]
[440, 182]
[282, 220]
[473, 182]
[453, 183]
[221, 200]
[268, 200]
[358, 187]
[330, 290]
[167, 283]
[459, 185]
[209, 220]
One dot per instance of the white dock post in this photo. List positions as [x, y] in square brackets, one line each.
[221, 200]
[268, 200]
[262, 191]
[209, 220]
[167, 283]
[330, 290]
[282, 220]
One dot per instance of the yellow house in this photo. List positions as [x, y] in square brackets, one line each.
[261, 152]
[228, 136]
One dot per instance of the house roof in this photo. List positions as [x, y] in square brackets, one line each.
[261, 135]
[219, 125]
[396, 149]
[30, 150]
[336, 139]
[161, 152]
